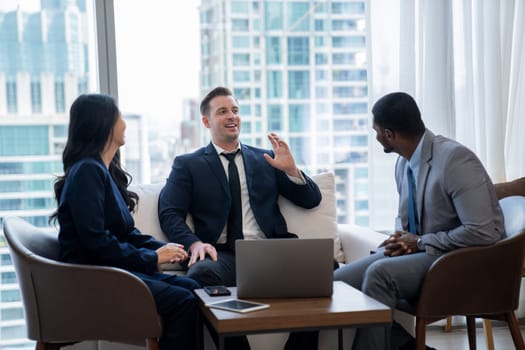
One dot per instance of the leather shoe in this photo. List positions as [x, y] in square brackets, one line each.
[411, 345]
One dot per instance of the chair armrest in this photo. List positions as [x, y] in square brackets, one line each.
[475, 281]
[358, 241]
[104, 302]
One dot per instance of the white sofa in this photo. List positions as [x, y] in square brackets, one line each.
[350, 243]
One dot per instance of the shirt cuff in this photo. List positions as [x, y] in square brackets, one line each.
[297, 180]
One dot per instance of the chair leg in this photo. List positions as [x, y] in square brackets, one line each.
[489, 338]
[40, 345]
[152, 344]
[515, 330]
[448, 325]
[420, 333]
[471, 330]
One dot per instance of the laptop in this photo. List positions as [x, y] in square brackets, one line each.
[284, 268]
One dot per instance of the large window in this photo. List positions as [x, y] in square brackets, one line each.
[47, 58]
[158, 64]
[298, 68]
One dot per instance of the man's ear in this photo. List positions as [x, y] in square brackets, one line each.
[205, 121]
[389, 134]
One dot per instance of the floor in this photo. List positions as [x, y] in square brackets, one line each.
[457, 338]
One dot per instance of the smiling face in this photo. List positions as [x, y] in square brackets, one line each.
[224, 122]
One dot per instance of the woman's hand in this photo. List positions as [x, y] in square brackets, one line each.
[171, 253]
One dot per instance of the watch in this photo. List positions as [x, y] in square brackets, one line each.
[420, 244]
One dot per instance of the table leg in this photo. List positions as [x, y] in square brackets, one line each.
[388, 337]
[221, 342]
[340, 338]
[200, 333]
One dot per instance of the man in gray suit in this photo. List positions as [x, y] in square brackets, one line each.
[446, 202]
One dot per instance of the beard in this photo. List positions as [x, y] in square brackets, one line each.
[388, 149]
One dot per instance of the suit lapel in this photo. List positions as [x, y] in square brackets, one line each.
[424, 170]
[216, 167]
[249, 160]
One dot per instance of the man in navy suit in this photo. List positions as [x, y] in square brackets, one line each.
[198, 185]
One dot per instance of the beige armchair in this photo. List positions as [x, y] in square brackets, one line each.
[69, 303]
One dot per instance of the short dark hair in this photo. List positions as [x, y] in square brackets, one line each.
[398, 112]
[218, 91]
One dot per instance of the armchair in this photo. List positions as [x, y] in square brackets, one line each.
[68, 303]
[475, 282]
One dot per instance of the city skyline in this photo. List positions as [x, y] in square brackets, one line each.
[298, 69]
[301, 73]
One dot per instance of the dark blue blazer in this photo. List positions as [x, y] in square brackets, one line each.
[96, 226]
[198, 185]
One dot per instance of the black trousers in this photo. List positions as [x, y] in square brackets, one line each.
[177, 306]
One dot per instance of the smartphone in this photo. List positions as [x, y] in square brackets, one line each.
[216, 291]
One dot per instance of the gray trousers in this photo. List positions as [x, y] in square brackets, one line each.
[386, 279]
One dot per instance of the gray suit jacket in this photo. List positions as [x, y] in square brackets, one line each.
[456, 200]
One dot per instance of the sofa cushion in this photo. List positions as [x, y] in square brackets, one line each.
[146, 212]
[319, 222]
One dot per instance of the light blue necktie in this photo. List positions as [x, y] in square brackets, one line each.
[412, 209]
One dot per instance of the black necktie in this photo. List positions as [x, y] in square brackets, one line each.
[234, 228]
[412, 209]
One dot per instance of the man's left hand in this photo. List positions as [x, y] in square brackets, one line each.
[401, 243]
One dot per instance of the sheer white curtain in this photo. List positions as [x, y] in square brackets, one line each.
[463, 62]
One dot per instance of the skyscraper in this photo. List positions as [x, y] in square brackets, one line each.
[45, 51]
[298, 68]
[43, 67]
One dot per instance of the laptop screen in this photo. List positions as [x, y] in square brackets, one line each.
[284, 268]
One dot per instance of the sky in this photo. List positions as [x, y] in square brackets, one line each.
[158, 55]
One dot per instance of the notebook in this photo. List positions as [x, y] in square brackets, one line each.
[284, 268]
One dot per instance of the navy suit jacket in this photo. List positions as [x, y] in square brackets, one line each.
[198, 185]
[96, 226]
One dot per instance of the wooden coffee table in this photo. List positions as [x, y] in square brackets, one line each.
[347, 307]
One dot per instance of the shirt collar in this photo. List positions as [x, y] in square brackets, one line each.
[416, 156]
[221, 150]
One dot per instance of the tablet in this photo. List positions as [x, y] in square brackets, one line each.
[238, 305]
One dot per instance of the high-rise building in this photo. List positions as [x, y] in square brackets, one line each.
[297, 68]
[136, 152]
[43, 67]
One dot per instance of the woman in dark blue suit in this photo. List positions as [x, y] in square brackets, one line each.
[96, 226]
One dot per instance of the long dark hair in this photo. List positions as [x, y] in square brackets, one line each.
[91, 121]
